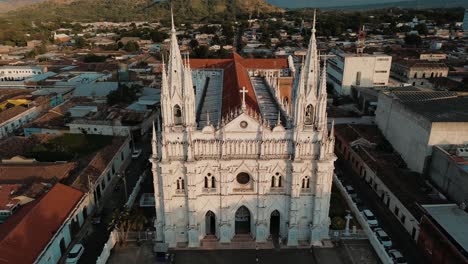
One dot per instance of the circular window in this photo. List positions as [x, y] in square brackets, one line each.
[243, 178]
[243, 124]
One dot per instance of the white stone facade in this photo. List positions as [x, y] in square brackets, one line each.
[245, 176]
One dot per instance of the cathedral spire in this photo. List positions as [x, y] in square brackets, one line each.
[154, 143]
[173, 30]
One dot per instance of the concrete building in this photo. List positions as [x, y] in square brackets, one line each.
[19, 73]
[365, 70]
[416, 72]
[465, 21]
[234, 166]
[444, 234]
[449, 171]
[413, 122]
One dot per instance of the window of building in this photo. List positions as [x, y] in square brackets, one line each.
[306, 183]
[415, 75]
[403, 219]
[177, 115]
[397, 210]
[381, 71]
[180, 184]
[309, 115]
[358, 78]
[243, 178]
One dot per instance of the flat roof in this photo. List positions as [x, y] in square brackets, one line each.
[451, 218]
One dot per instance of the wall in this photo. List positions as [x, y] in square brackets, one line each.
[409, 140]
[18, 121]
[449, 177]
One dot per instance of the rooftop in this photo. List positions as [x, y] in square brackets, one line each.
[20, 233]
[420, 64]
[7, 201]
[37, 171]
[410, 188]
[453, 220]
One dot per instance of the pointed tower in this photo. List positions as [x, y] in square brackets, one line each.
[321, 109]
[178, 97]
[305, 99]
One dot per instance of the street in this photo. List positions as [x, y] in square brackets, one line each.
[97, 235]
[402, 241]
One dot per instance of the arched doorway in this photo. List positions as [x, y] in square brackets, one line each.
[242, 219]
[275, 223]
[210, 220]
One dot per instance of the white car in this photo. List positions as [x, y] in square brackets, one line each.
[75, 254]
[370, 218]
[383, 238]
[350, 191]
[397, 257]
[136, 153]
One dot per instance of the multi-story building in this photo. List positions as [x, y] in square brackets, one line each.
[19, 73]
[416, 72]
[230, 163]
[429, 118]
[360, 70]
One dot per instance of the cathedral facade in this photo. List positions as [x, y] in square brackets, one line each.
[242, 150]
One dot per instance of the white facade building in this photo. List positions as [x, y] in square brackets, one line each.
[19, 73]
[233, 165]
[365, 70]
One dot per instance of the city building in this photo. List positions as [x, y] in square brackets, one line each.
[231, 162]
[429, 118]
[22, 241]
[444, 233]
[19, 73]
[360, 70]
[375, 162]
[416, 72]
[449, 171]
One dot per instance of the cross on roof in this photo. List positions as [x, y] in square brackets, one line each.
[243, 91]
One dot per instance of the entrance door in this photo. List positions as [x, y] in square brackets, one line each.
[210, 220]
[275, 223]
[242, 220]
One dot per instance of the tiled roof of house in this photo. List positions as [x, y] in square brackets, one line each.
[19, 173]
[6, 196]
[25, 234]
[98, 164]
[9, 113]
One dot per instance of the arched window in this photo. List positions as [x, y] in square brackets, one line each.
[182, 184]
[309, 115]
[424, 75]
[305, 182]
[206, 182]
[177, 115]
[178, 185]
[432, 74]
[280, 179]
[415, 75]
[213, 182]
[273, 181]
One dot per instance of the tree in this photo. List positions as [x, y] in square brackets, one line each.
[422, 29]
[124, 94]
[131, 46]
[412, 39]
[157, 36]
[125, 220]
[90, 58]
[193, 43]
[200, 52]
[80, 42]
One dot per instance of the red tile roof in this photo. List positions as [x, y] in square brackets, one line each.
[6, 193]
[23, 243]
[14, 173]
[236, 77]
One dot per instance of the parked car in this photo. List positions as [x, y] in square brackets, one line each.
[75, 254]
[136, 153]
[350, 190]
[397, 257]
[370, 218]
[383, 238]
[359, 203]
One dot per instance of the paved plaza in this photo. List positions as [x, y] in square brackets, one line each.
[353, 252]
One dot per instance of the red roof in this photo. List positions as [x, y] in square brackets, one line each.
[6, 199]
[236, 77]
[23, 243]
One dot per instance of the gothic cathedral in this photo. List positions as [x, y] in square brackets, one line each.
[243, 151]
